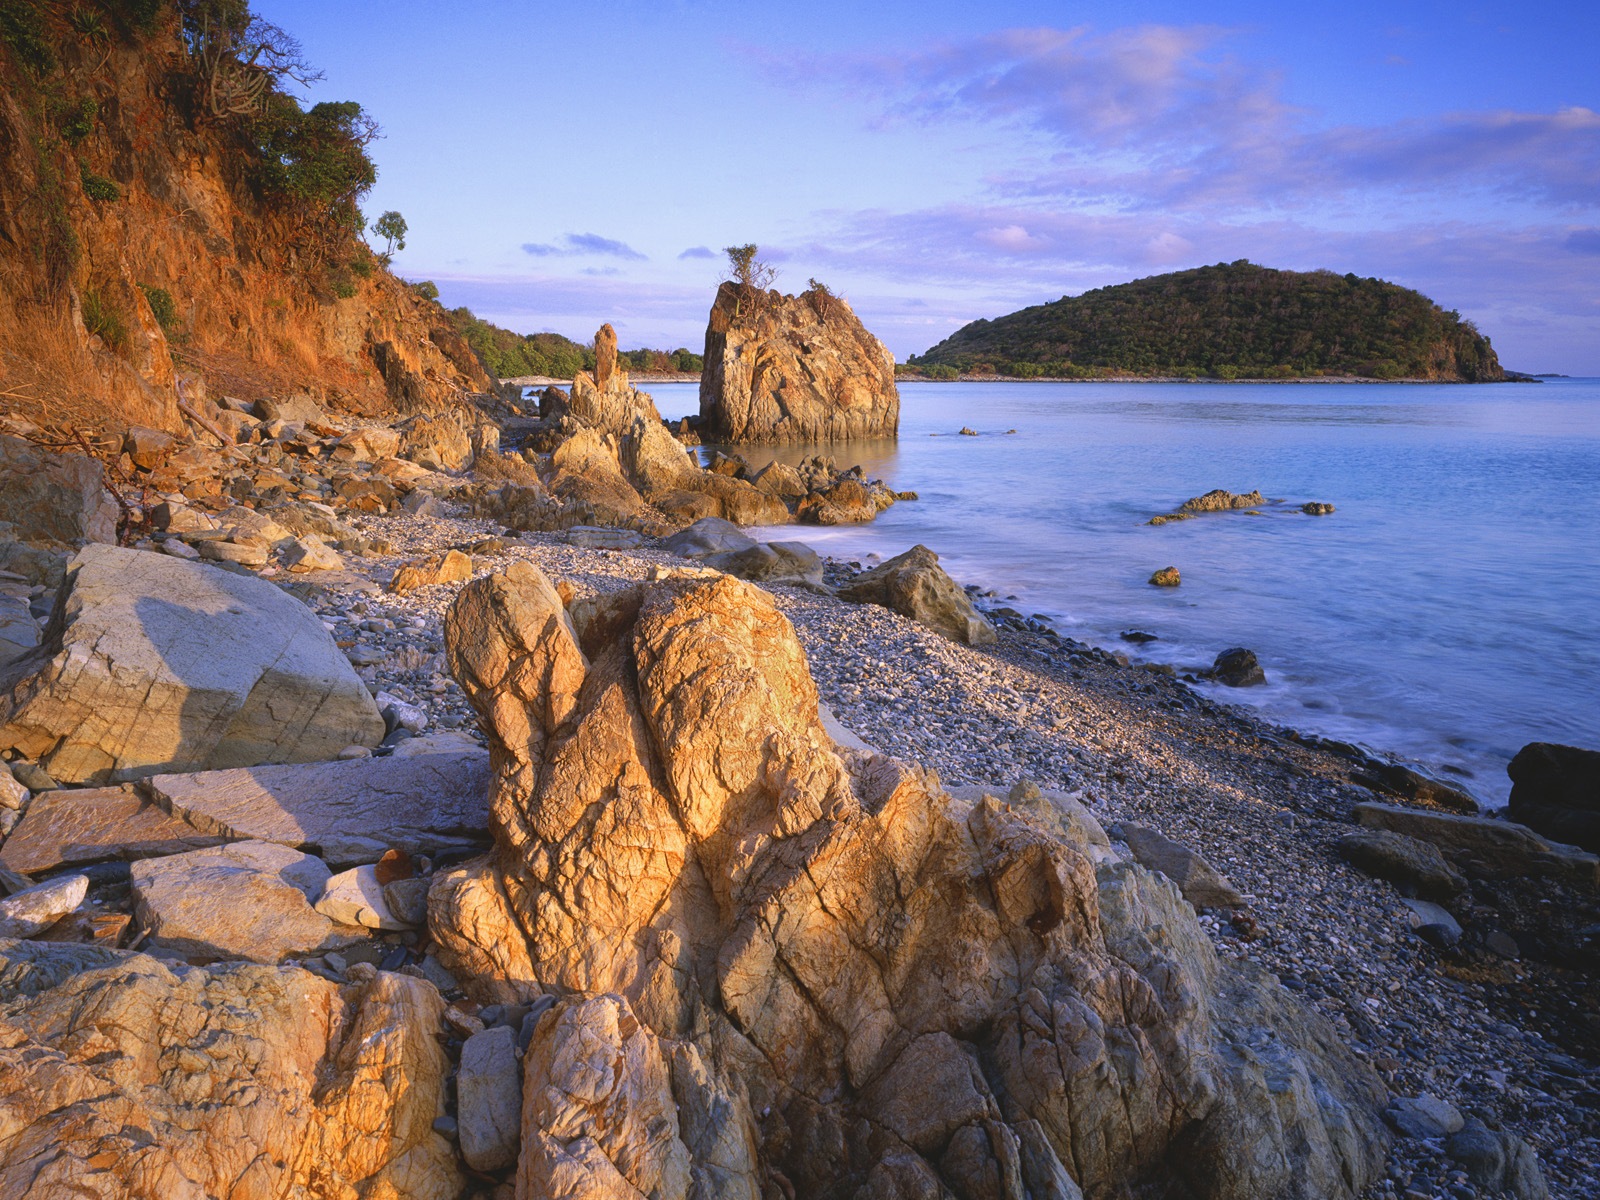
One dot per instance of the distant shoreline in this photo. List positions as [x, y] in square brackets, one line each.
[690, 377]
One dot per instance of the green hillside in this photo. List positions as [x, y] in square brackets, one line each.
[1230, 321]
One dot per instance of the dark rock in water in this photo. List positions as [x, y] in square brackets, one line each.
[1166, 577]
[1402, 860]
[1238, 668]
[1556, 791]
[1316, 508]
[1497, 1162]
[1165, 518]
[1138, 635]
[1399, 780]
[1220, 500]
[966, 431]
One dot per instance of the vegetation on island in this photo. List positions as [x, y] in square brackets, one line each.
[510, 355]
[1230, 321]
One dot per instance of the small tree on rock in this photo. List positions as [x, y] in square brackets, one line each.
[751, 275]
[392, 227]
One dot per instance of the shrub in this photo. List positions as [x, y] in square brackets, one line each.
[22, 28]
[426, 289]
[77, 121]
[316, 161]
[161, 306]
[97, 187]
[101, 317]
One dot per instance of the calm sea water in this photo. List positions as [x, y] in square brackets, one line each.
[1449, 611]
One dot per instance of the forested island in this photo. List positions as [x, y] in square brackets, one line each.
[1230, 321]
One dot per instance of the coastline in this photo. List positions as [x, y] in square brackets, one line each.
[1136, 745]
[690, 377]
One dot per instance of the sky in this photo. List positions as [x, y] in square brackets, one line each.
[561, 164]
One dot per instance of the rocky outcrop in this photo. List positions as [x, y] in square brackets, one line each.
[154, 664]
[914, 585]
[59, 498]
[782, 966]
[1485, 847]
[124, 1076]
[1556, 790]
[793, 369]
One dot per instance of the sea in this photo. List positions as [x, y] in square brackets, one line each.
[1447, 612]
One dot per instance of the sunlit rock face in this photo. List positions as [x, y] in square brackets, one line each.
[793, 369]
[777, 963]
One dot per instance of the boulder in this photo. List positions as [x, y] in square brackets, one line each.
[792, 563]
[780, 480]
[357, 897]
[147, 448]
[596, 537]
[33, 910]
[914, 585]
[72, 826]
[437, 441]
[245, 554]
[1202, 884]
[151, 663]
[489, 1099]
[1422, 1116]
[297, 409]
[1166, 577]
[1316, 508]
[346, 812]
[845, 503]
[450, 567]
[1499, 1163]
[309, 554]
[1403, 860]
[19, 632]
[708, 536]
[1556, 791]
[764, 947]
[367, 445]
[1397, 779]
[1238, 668]
[793, 369]
[250, 900]
[1485, 847]
[58, 498]
[124, 1076]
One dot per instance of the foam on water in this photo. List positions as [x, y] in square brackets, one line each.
[1449, 611]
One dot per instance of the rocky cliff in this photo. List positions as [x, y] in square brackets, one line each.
[793, 369]
[138, 245]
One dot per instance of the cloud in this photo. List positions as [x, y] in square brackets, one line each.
[584, 244]
[697, 252]
[1167, 116]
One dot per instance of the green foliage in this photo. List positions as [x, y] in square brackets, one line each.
[89, 24]
[652, 361]
[161, 306]
[315, 162]
[141, 15]
[392, 228]
[509, 355]
[97, 187]
[1234, 320]
[77, 120]
[22, 28]
[425, 289]
[745, 269]
[101, 317]
[360, 265]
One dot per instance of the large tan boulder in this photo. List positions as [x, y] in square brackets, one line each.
[793, 369]
[121, 1076]
[151, 663]
[850, 982]
[914, 585]
[54, 497]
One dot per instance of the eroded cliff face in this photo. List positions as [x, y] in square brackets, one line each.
[793, 369]
[83, 335]
[783, 968]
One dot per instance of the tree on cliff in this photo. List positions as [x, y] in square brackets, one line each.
[392, 227]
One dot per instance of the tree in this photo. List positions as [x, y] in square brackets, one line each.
[391, 226]
[748, 271]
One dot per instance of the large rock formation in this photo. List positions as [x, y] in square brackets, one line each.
[1556, 790]
[151, 663]
[122, 1076]
[793, 369]
[786, 968]
[54, 497]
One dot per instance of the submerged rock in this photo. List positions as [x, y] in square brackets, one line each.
[1238, 668]
[762, 945]
[793, 369]
[151, 663]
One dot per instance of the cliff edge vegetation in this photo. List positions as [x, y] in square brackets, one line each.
[171, 213]
[1230, 321]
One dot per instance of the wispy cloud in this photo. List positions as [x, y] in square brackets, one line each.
[583, 244]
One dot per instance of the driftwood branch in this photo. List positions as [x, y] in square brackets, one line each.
[209, 426]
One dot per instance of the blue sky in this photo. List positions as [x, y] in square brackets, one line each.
[565, 164]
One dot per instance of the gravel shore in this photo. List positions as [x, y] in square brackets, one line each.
[1515, 1041]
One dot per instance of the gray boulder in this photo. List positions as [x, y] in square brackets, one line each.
[54, 497]
[1484, 847]
[1202, 884]
[1422, 1116]
[151, 663]
[250, 900]
[489, 1099]
[708, 536]
[348, 812]
[1556, 791]
[1403, 860]
[33, 910]
[791, 563]
[1497, 1162]
[914, 585]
